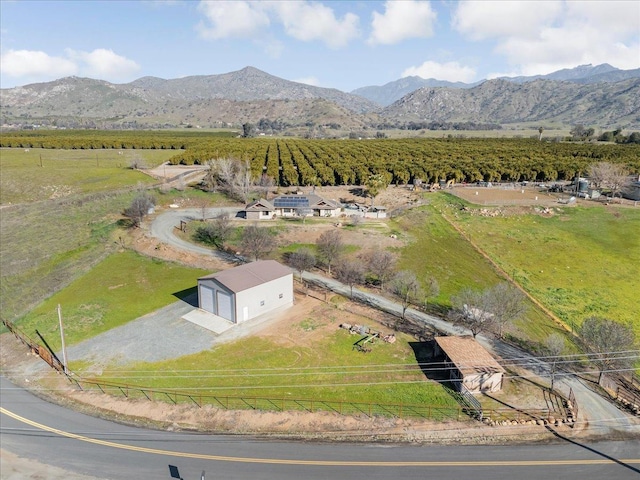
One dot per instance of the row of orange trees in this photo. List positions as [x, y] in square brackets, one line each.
[295, 161]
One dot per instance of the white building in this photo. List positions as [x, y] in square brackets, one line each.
[292, 206]
[248, 291]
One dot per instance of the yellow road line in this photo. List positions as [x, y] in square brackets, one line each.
[333, 463]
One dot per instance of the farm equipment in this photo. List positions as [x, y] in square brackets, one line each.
[369, 336]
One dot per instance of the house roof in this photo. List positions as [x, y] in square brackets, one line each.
[261, 205]
[304, 201]
[468, 355]
[249, 275]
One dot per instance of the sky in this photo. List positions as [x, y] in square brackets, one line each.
[333, 44]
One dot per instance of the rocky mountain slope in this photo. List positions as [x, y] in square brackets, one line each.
[386, 94]
[250, 95]
[502, 101]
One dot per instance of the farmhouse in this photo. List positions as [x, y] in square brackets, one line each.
[245, 292]
[471, 366]
[292, 206]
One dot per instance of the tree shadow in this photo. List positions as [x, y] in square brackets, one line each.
[189, 295]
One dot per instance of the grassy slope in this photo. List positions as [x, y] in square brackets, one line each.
[438, 250]
[122, 288]
[66, 172]
[582, 261]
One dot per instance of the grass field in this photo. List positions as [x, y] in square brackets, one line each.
[44, 174]
[579, 262]
[326, 368]
[119, 289]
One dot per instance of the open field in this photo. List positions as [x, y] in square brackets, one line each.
[30, 175]
[579, 261]
[119, 289]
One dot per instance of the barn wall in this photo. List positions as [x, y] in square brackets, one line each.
[210, 283]
[264, 298]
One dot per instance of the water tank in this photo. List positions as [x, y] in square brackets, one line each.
[583, 185]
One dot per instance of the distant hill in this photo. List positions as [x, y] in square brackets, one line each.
[252, 96]
[390, 92]
[386, 94]
[502, 101]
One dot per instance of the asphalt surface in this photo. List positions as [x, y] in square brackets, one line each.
[84, 445]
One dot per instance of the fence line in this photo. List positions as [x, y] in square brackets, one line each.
[43, 352]
[469, 408]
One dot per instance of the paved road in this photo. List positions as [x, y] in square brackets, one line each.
[88, 446]
[595, 413]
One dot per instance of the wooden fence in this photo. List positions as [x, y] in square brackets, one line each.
[42, 351]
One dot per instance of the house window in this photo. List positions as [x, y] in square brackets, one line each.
[262, 303]
[280, 296]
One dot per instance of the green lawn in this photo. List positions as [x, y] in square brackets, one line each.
[579, 262]
[42, 174]
[119, 289]
[326, 368]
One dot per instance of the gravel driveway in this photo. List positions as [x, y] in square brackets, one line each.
[147, 338]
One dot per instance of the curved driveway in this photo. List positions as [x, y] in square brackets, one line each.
[595, 413]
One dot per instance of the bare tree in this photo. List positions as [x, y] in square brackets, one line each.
[350, 272]
[609, 341]
[613, 176]
[382, 264]
[471, 309]
[554, 345]
[431, 289]
[231, 176]
[302, 260]
[266, 183]
[303, 213]
[407, 288]
[140, 206]
[257, 241]
[330, 247]
[507, 303]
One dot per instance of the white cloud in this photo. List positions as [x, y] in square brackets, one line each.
[35, 64]
[402, 20]
[104, 64]
[450, 71]
[238, 19]
[541, 37]
[490, 18]
[305, 21]
[308, 21]
[313, 81]
[29, 65]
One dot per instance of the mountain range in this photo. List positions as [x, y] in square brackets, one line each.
[598, 96]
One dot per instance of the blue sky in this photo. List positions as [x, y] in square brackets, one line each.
[335, 44]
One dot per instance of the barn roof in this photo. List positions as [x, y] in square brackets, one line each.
[249, 275]
[468, 355]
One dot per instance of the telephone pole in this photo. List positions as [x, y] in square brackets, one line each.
[64, 348]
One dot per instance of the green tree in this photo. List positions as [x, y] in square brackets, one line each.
[376, 184]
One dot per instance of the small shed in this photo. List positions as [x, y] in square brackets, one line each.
[471, 366]
[247, 291]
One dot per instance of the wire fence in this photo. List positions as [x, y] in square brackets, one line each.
[470, 408]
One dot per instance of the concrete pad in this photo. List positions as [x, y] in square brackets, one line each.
[208, 320]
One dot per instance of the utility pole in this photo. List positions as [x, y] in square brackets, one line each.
[64, 349]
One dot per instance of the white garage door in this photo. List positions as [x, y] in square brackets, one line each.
[206, 298]
[224, 305]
